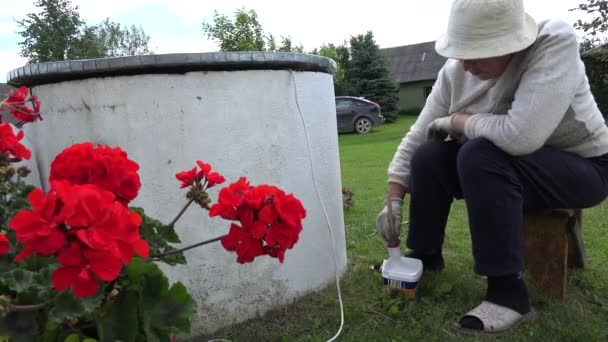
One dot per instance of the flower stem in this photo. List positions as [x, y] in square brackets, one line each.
[188, 247]
[181, 212]
[25, 308]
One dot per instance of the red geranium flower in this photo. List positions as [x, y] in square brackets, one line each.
[99, 221]
[92, 234]
[213, 178]
[271, 221]
[190, 177]
[104, 166]
[10, 145]
[118, 231]
[82, 269]
[230, 198]
[16, 104]
[246, 247]
[38, 229]
[5, 245]
[186, 177]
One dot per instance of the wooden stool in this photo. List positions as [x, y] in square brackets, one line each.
[552, 243]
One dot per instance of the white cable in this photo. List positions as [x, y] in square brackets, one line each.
[314, 183]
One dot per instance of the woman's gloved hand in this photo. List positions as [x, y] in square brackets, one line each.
[440, 128]
[388, 221]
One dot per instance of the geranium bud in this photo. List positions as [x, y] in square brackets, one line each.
[112, 295]
[23, 171]
[200, 197]
[7, 172]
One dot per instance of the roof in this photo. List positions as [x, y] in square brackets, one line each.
[417, 62]
[5, 89]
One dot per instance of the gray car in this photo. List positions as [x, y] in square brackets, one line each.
[357, 114]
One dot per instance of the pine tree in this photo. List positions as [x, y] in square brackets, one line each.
[369, 74]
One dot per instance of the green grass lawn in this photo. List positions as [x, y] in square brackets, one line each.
[370, 315]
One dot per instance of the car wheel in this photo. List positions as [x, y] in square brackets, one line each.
[363, 126]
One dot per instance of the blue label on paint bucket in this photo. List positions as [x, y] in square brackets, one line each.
[399, 284]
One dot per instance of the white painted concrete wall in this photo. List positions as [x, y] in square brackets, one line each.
[242, 123]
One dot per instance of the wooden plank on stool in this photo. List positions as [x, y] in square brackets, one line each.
[546, 250]
[577, 256]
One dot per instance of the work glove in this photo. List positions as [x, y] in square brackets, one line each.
[440, 128]
[388, 221]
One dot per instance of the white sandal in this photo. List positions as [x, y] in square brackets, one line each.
[496, 319]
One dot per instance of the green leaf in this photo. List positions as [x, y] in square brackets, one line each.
[157, 227]
[177, 308]
[147, 277]
[158, 237]
[72, 338]
[18, 280]
[163, 310]
[140, 272]
[119, 319]
[13, 198]
[171, 314]
[173, 259]
[30, 287]
[51, 332]
[67, 307]
[20, 326]
[35, 263]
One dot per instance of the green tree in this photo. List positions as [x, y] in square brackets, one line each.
[369, 74]
[88, 45]
[272, 43]
[596, 68]
[57, 33]
[598, 9]
[341, 55]
[594, 49]
[117, 41]
[245, 33]
[50, 34]
[288, 46]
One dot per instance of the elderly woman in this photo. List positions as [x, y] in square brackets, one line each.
[525, 132]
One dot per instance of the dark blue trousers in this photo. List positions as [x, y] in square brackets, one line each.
[496, 187]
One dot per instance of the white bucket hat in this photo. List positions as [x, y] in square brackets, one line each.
[486, 28]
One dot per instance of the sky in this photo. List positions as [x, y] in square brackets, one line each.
[175, 25]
